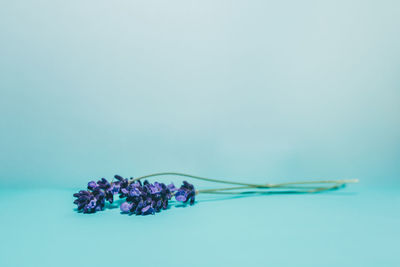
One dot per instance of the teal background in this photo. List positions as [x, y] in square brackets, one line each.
[260, 91]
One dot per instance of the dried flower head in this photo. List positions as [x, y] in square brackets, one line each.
[186, 193]
[146, 198]
[93, 199]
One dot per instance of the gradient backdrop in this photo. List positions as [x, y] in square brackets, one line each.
[252, 90]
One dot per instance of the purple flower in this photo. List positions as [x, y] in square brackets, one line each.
[92, 203]
[172, 187]
[89, 201]
[147, 210]
[146, 198]
[93, 199]
[186, 193]
[103, 183]
[181, 196]
[125, 207]
[122, 184]
[134, 192]
[141, 198]
[115, 188]
[92, 185]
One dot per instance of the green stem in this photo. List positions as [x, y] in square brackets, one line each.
[194, 177]
[222, 190]
[249, 187]
[343, 181]
[243, 184]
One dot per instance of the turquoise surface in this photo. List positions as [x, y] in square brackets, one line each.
[256, 91]
[353, 227]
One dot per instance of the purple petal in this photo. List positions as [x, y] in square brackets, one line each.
[172, 187]
[118, 177]
[92, 204]
[181, 196]
[92, 185]
[125, 207]
[148, 209]
[134, 192]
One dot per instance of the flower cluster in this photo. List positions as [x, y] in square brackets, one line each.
[122, 184]
[88, 201]
[93, 199]
[141, 198]
[146, 198]
[186, 193]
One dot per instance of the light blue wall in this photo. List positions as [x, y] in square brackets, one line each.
[261, 90]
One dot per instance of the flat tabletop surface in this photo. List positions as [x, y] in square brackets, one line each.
[354, 226]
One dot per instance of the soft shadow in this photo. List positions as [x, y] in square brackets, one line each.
[222, 196]
[107, 206]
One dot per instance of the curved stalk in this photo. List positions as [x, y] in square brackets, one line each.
[343, 181]
[223, 190]
[194, 177]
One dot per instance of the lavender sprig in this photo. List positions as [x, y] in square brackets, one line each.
[147, 198]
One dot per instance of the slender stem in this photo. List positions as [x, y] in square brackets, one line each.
[222, 190]
[194, 177]
[287, 185]
[275, 187]
[244, 184]
[343, 181]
